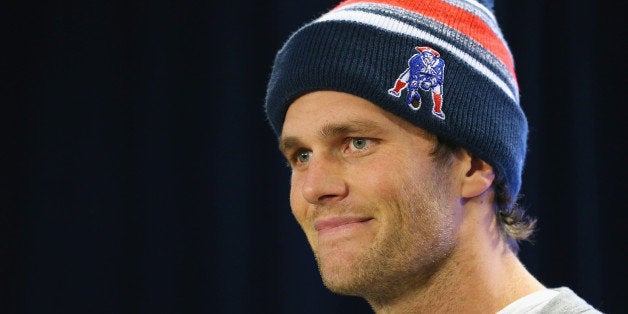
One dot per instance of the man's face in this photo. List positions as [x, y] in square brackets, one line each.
[378, 214]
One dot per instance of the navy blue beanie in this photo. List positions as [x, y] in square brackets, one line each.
[442, 65]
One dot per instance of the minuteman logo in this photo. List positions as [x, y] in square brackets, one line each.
[425, 72]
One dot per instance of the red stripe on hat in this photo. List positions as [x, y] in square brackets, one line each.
[456, 18]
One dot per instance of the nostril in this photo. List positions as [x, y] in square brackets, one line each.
[325, 198]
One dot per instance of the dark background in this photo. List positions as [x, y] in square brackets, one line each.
[140, 175]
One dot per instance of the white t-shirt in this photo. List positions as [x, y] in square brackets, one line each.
[529, 303]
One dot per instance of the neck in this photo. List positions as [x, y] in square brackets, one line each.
[481, 275]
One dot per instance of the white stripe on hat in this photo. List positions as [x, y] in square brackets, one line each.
[396, 26]
[479, 10]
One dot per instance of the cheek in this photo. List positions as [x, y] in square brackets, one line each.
[384, 176]
[297, 203]
[300, 207]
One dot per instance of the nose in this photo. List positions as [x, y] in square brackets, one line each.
[323, 182]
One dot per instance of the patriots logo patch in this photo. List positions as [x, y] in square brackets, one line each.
[425, 72]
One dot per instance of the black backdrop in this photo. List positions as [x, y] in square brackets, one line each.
[141, 177]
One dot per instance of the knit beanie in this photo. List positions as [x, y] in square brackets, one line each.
[442, 65]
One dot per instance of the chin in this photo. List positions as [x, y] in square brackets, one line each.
[343, 275]
[343, 284]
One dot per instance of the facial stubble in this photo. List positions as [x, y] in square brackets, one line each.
[408, 248]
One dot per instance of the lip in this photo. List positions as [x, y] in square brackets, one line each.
[327, 224]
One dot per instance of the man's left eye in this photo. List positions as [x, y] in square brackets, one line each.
[359, 143]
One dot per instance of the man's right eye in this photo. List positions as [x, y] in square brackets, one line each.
[303, 157]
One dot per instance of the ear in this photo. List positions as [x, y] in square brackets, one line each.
[478, 176]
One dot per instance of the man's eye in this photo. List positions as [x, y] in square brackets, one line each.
[303, 157]
[359, 143]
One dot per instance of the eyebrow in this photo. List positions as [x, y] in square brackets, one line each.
[331, 130]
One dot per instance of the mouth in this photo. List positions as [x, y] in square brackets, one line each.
[334, 224]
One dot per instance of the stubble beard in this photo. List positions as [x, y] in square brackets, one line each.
[405, 254]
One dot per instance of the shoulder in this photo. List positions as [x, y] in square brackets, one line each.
[567, 301]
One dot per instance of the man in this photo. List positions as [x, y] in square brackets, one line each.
[410, 207]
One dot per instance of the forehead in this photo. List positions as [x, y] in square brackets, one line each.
[327, 113]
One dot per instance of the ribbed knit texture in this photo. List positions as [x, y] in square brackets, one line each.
[364, 47]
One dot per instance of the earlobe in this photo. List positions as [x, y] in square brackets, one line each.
[478, 176]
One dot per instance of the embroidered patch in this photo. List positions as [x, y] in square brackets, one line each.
[425, 72]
